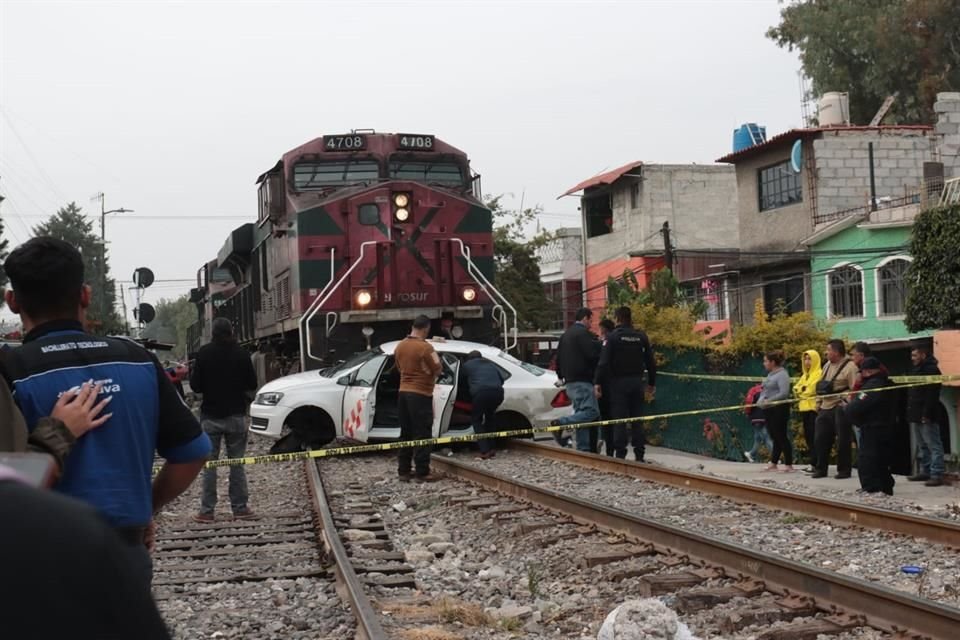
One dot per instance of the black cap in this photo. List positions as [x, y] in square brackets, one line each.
[870, 363]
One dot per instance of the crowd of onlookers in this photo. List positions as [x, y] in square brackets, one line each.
[848, 398]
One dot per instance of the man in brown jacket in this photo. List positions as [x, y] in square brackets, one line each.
[419, 367]
[840, 374]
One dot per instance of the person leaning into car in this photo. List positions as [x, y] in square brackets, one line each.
[419, 367]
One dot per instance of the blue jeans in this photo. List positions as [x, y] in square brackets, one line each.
[929, 448]
[585, 409]
[760, 437]
[232, 432]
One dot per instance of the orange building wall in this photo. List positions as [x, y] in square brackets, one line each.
[597, 274]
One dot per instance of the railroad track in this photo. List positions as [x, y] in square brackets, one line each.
[711, 572]
[933, 529]
[289, 552]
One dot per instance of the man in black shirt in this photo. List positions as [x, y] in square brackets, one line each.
[66, 574]
[625, 355]
[224, 374]
[576, 365]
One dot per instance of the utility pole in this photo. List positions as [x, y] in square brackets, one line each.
[103, 252]
[667, 246]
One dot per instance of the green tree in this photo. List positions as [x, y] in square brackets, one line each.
[933, 300]
[874, 48]
[516, 268]
[70, 225]
[171, 323]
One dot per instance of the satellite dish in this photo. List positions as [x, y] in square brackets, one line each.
[145, 313]
[796, 156]
[143, 277]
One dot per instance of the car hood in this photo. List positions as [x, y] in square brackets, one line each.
[307, 378]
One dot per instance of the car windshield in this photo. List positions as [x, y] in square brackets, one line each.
[349, 363]
[526, 366]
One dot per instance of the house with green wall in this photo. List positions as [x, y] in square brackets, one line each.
[858, 275]
[858, 281]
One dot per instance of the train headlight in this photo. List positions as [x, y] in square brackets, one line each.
[401, 199]
[364, 298]
[401, 214]
[469, 294]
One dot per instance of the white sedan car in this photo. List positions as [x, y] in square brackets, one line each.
[357, 399]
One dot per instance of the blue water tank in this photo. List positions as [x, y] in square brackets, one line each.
[748, 135]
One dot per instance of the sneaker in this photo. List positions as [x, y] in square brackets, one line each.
[934, 481]
[818, 474]
[430, 477]
[746, 454]
[405, 477]
[244, 514]
[204, 518]
[920, 477]
[842, 476]
[770, 467]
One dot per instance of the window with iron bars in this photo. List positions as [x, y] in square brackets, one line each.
[846, 292]
[893, 287]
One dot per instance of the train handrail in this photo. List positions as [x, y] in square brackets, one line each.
[331, 315]
[499, 299]
[321, 298]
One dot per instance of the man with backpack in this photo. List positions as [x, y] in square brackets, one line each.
[839, 375]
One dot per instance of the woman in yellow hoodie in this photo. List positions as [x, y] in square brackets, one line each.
[806, 391]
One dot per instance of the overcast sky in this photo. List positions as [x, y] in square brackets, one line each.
[173, 109]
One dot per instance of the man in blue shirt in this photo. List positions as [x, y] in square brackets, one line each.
[110, 467]
[486, 394]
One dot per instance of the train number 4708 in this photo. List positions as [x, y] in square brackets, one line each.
[421, 143]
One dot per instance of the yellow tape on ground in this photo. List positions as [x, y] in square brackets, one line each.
[513, 433]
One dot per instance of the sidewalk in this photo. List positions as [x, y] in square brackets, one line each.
[935, 499]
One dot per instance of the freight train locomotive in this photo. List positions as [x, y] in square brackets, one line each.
[356, 235]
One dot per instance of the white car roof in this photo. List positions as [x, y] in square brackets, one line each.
[458, 346]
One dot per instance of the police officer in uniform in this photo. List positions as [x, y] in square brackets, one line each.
[623, 359]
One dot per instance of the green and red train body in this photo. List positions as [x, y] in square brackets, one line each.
[364, 231]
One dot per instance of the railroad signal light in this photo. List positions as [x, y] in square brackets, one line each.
[401, 207]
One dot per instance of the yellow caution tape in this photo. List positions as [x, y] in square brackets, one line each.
[528, 431]
[757, 379]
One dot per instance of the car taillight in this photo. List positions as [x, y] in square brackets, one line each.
[561, 400]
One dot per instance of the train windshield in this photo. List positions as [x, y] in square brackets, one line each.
[445, 173]
[321, 175]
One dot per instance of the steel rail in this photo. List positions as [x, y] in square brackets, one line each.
[883, 608]
[933, 529]
[368, 622]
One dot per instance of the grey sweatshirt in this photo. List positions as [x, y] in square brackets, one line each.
[776, 386]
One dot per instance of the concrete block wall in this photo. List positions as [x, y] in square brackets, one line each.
[699, 201]
[947, 108]
[843, 167]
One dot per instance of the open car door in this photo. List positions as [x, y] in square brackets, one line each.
[360, 399]
[444, 393]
